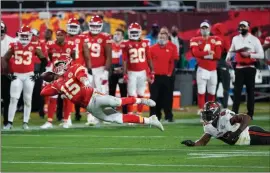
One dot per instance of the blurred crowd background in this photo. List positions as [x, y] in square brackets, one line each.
[182, 17]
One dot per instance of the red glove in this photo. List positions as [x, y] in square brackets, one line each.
[152, 77]
[125, 78]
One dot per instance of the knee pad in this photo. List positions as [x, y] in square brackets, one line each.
[201, 89]
[211, 89]
[13, 100]
[27, 101]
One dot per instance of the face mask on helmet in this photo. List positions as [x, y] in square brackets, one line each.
[24, 38]
[60, 68]
[73, 29]
[134, 34]
[95, 28]
[210, 112]
[3, 29]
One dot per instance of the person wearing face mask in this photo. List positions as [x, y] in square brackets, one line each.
[163, 54]
[248, 50]
[152, 36]
[207, 51]
[117, 70]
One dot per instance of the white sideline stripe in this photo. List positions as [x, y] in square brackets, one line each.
[228, 154]
[132, 164]
[142, 149]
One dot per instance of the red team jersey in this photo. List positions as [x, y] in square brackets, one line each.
[23, 60]
[96, 45]
[200, 47]
[59, 51]
[43, 45]
[69, 84]
[79, 40]
[136, 54]
[116, 53]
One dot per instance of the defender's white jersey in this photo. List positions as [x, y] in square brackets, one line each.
[224, 125]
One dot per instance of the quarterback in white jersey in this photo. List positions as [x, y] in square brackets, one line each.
[230, 128]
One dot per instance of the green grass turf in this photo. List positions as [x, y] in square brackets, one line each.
[120, 148]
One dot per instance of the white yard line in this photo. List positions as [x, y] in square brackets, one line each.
[133, 164]
[214, 154]
[142, 149]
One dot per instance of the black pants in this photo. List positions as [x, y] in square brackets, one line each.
[224, 78]
[244, 76]
[170, 115]
[160, 92]
[113, 81]
[5, 95]
[59, 113]
[259, 136]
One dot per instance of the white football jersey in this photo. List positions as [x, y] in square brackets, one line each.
[224, 125]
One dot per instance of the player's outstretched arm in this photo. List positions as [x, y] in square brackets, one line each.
[243, 120]
[108, 53]
[201, 142]
[43, 60]
[48, 90]
[86, 56]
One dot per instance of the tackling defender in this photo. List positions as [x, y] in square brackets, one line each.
[75, 85]
[228, 127]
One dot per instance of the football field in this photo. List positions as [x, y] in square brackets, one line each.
[125, 148]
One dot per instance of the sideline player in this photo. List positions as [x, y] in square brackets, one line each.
[228, 127]
[207, 50]
[58, 50]
[23, 77]
[100, 49]
[136, 64]
[75, 85]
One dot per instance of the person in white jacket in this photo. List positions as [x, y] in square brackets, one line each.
[5, 81]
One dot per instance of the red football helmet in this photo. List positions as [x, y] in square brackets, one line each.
[73, 26]
[95, 24]
[62, 64]
[134, 31]
[25, 35]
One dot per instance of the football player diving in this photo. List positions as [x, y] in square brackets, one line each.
[229, 127]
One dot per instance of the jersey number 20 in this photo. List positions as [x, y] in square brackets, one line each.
[137, 55]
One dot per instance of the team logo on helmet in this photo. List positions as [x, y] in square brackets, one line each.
[99, 40]
[68, 50]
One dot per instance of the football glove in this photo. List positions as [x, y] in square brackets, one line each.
[152, 77]
[11, 76]
[125, 78]
[105, 77]
[188, 143]
[35, 77]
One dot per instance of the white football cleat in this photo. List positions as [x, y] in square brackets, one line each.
[91, 120]
[25, 126]
[8, 127]
[148, 102]
[153, 120]
[66, 125]
[47, 125]
[69, 121]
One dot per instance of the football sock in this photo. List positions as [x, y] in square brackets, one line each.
[140, 106]
[211, 97]
[128, 100]
[12, 109]
[201, 100]
[67, 109]
[131, 118]
[51, 108]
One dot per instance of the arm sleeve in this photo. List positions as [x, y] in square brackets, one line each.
[197, 53]
[81, 72]
[259, 54]
[49, 90]
[175, 53]
[124, 53]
